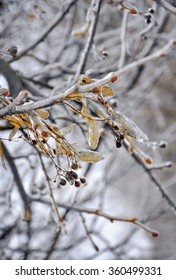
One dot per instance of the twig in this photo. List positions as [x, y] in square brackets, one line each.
[100, 214]
[122, 37]
[88, 233]
[58, 18]
[154, 179]
[160, 166]
[167, 6]
[54, 204]
[96, 4]
[26, 200]
[148, 58]
[58, 98]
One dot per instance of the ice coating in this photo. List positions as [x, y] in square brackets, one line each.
[128, 128]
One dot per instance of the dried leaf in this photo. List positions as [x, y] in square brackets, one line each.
[128, 128]
[84, 80]
[42, 113]
[75, 96]
[26, 120]
[107, 91]
[89, 156]
[14, 131]
[66, 130]
[2, 156]
[27, 215]
[93, 134]
[81, 31]
[14, 120]
[85, 110]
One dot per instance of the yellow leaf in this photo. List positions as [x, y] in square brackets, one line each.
[84, 80]
[81, 31]
[65, 130]
[89, 156]
[2, 156]
[93, 134]
[27, 215]
[84, 108]
[107, 91]
[26, 120]
[42, 113]
[14, 131]
[75, 96]
[14, 120]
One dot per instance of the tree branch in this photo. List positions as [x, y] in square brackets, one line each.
[94, 20]
[58, 18]
[24, 196]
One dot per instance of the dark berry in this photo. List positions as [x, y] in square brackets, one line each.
[74, 166]
[163, 144]
[118, 144]
[73, 174]
[62, 182]
[77, 184]
[148, 18]
[34, 142]
[151, 11]
[115, 127]
[83, 180]
[69, 178]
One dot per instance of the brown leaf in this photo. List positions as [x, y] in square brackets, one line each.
[14, 131]
[89, 156]
[42, 113]
[81, 31]
[86, 80]
[93, 134]
[107, 91]
[27, 215]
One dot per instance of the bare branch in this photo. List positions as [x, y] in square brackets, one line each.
[96, 4]
[22, 192]
[167, 6]
[57, 19]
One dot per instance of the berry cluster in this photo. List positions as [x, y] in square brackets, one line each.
[72, 177]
